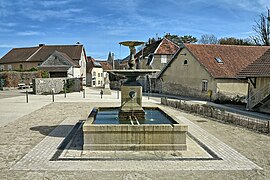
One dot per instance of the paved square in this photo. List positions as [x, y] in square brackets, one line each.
[45, 122]
[219, 156]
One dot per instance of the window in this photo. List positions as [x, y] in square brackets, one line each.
[219, 60]
[101, 82]
[98, 74]
[94, 74]
[9, 67]
[204, 85]
[98, 82]
[101, 74]
[94, 83]
[2, 68]
[185, 62]
[21, 66]
[163, 59]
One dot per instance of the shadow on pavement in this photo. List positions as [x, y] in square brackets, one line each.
[62, 130]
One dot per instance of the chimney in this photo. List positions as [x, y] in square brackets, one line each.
[40, 45]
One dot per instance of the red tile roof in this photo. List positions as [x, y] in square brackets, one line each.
[234, 57]
[167, 47]
[90, 59]
[40, 54]
[163, 46]
[105, 65]
[259, 68]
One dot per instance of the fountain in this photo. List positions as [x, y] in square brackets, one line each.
[131, 126]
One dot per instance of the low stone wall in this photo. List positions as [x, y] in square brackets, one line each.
[13, 78]
[219, 114]
[45, 85]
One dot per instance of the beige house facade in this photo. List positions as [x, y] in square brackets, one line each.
[206, 72]
[98, 77]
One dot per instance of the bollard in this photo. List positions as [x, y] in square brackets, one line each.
[27, 97]
[52, 95]
[101, 93]
[83, 93]
[65, 88]
[65, 92]
[268, 124]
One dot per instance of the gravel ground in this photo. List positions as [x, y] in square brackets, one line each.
[13, 92]
[20, 136]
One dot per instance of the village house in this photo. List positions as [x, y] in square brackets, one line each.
[258, 75]
[58, 60]
[96, 72]
[155, 56]
[208, 71]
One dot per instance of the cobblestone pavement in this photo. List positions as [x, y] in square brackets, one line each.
[22, 135]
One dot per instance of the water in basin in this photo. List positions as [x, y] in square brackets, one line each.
[152, 116]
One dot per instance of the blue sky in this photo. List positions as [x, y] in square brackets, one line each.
[100, 24]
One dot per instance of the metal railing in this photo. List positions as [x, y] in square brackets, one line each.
[260, 95]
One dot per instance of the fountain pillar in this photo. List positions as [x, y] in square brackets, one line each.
[131, 106]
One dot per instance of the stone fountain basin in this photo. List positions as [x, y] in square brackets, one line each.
[109, 137]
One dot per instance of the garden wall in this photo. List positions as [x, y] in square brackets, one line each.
[45, 85]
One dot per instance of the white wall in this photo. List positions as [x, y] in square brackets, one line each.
[74, 72]
[82, 63]
[98, 77]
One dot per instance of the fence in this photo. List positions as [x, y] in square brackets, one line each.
[219, 114]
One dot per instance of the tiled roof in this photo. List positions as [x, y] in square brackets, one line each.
[167, 47]
[259, 68]
[163, 46]
[105, 65]
[234, 57]
[18, 55]
[90, 59]
[41, 53]
[148, 49]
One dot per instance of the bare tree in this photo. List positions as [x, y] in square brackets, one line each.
[208, 39]
[262, 29]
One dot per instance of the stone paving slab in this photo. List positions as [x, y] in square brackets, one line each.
[39, 158]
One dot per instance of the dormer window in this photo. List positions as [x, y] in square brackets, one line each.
[163, 59]
[219, 60]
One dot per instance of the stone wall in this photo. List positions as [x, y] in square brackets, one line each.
[45, 85]
[219, 114]
[13, 78]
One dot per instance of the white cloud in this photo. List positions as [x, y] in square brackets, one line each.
[10, 24]
[54, 3]
[29, 33]
[7, 46]
[42, 15]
